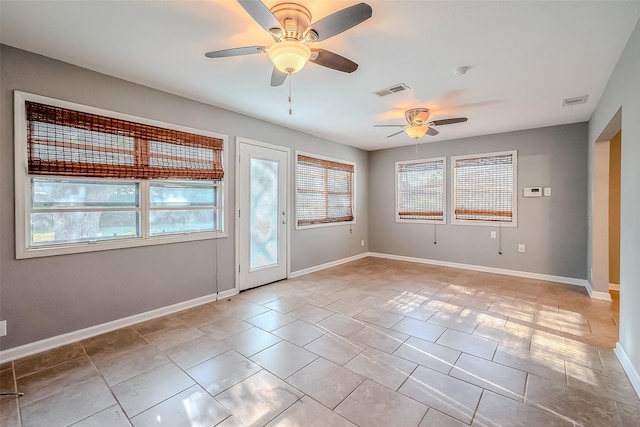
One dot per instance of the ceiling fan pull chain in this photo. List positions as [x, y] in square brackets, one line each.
[290, 110]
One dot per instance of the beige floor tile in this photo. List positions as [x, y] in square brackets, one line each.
[7, 382]
[377, 337]
[47, 359]
[223, 371]
[284, 358]
[113, 416]
[383, 368]
[190, 353]
[374, 405]
[378, 317]
[454, 321]
[270, 320]
[128, 365]
[68, 406]
[224, 328]
[299, 333]
[239, 308]
[467, 343]
[414, 311]
[492, 376]
[261, 295]
[113, 344]
[286, 304]
[576, 405]
[334, 347]
[309, 413]
[510, 335]
[252, 341]
[533, 361]
[436, 418]
[326, 382]
[140, 393]
[55, 379]
[159, 324]
[231, 422]
[496, 411]
[9, 412]
[424, 330]
[609, 384]
[455, 398]
[259, 399]
[168, 338]
[428, 354]
[192, 407]
[629, 414]
[341, 324]
[310, 313]
[347, 307]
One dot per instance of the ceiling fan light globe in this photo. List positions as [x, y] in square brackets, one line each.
[416, 131]
[289, 56]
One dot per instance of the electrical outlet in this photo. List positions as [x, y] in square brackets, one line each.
[3, 328]
[362, 243]
[493, 235]
[521, 247]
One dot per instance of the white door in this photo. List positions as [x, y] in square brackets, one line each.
[262, 214]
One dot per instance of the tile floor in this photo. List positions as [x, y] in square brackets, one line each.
[371, 343]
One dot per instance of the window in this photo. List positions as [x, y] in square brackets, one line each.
[89, 179]
[420, 194]
[485, 189]
[324, 191]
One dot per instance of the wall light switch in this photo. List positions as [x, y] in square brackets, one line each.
[3, 328]
[547, 191]
[493, 235]
[362, 243]
[521, 247]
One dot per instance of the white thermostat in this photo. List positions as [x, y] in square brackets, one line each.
[532, 192]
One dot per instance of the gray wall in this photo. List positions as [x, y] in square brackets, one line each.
[45, 297]
[623, 93]
[554, 229]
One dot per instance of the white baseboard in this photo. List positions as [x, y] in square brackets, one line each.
[628, 367]
[57, 341]
[604, 296]
[516, 273]
[313, 269]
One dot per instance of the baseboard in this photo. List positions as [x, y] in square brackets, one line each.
[604, 296]
[57, 341]
[628, 367]
[313, 269]
[516, 273]
[614, 286]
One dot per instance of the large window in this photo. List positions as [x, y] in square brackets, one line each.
[484, 189]
[324, 191]
[89, 179]
[420, 194]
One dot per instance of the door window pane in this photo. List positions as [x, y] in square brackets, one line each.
[264, 214]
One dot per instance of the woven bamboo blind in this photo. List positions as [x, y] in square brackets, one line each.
[421, 190]
[73, 143]
[324, 191]
[484, 188]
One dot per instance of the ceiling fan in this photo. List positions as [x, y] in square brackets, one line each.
[290, 26]
[418, 125]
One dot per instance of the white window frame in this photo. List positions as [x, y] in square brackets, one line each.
[444, 190]
[353, 191]
[514, 192]
[23, 188]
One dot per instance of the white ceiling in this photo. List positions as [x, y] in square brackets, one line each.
[525, 58]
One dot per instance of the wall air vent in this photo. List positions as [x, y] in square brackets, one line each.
[568, 102]
[393, 89]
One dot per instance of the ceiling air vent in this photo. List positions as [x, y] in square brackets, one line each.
[568, 102]
[393, 89]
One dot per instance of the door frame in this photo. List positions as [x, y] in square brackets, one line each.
[241, 140]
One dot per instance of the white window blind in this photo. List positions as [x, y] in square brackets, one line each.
[324, 191]
[420, 190]
[485, 188]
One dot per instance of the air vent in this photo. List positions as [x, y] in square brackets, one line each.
[568, 102]
[393, 89]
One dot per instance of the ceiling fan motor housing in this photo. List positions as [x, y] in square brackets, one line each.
[417, 116]
[294, 19]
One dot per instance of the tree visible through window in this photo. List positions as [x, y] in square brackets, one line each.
[324, 192]
[485, 188]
